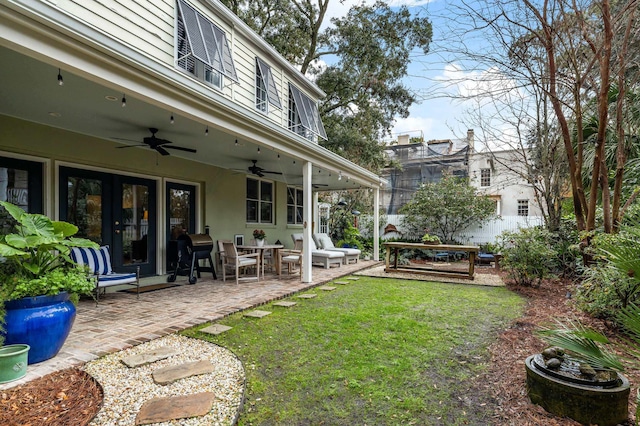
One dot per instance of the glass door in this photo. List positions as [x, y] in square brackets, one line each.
[20, 184]
[181, 213]
[114, 210]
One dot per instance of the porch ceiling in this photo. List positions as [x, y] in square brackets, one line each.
[29, 91]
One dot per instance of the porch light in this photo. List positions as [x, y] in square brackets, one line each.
[258, 150]
[339, 175]
[60, 80]
[236, 144]
[124, 101]
[206, 131]
[171, 120]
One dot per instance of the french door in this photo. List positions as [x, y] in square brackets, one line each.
[180, 211]
[114, 210]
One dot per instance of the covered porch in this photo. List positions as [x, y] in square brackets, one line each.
[121, 321]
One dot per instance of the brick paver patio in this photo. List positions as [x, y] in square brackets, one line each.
[121, 321]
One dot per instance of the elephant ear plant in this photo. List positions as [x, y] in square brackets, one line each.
[35, 261]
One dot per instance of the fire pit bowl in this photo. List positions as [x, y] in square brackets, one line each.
[603, 402]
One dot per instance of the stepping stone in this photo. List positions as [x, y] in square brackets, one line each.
[341, 282]
[158, 410]
[285, 304]
[307, 296]
[216, 329]
[149, 357]
[257, 314]
[352, 278]
[326, 288]
[167, 375]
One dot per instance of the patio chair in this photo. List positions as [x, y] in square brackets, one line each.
[98, 261]
[324, 257]
[324, 242]
[292, 257]
[237, 262]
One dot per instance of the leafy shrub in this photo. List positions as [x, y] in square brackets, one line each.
[613, 281]
[565, 243]
[598, 293]
[528, 256]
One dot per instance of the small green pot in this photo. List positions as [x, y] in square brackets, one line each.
[13, 362]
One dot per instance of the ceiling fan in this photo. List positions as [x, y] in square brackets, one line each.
[159, 144]
[259, 171]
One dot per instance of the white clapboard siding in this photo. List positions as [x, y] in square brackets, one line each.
[146, 26]
[487, 233]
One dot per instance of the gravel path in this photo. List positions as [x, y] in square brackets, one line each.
[126, 389]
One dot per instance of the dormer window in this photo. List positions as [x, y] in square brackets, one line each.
[203, 49]
[304, 118]
[266, 90]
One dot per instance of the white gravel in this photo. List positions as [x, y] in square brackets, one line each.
[126, 389]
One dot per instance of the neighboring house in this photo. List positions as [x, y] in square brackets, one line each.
[493, 173]
[421, 162]
[236, 146]
[497, 174]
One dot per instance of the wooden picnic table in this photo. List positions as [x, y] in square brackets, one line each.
[396, 246]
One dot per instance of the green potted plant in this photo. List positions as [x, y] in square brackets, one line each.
[39, 282]
[431, 239]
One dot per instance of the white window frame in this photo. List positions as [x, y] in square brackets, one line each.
[262, 97]
[297, 205]
[523, 207]
[260, 202]
[485, 177]
[213, 58]
[303, 117]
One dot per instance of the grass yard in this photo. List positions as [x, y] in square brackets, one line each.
[373, 352]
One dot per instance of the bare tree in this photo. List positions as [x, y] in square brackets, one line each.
[566, 54]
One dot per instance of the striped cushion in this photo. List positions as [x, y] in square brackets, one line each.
[98, 260]
[115, 279]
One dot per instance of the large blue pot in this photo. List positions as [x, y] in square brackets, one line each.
[42, 322]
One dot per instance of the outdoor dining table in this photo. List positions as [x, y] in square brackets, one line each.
[261, 249]
[394, 266]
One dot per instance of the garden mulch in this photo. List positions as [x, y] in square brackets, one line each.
[70, 397]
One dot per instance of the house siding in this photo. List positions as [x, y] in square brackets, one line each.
[149, 27]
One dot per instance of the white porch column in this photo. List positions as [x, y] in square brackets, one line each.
[307, 220]
[376, 224]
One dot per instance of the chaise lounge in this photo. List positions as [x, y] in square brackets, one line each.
[324, 242]
[324, 257]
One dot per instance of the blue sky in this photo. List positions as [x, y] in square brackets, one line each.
[434, 117]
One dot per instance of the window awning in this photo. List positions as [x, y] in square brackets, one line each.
[208, 42]
[269, 83]
[308, 112]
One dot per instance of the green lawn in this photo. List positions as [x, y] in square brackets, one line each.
[375, 352]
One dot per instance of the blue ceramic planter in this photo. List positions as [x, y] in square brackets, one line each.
[42, 322]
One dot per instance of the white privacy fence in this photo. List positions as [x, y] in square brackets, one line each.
[487, 233]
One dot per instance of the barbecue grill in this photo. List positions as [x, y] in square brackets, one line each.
[185, 253]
